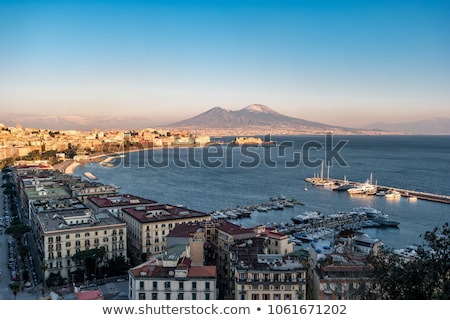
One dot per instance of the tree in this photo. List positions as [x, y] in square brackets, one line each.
[15, 288]
[117, 266]
[423, 278]
[17, 230]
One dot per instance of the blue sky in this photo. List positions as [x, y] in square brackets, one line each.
[340, 62]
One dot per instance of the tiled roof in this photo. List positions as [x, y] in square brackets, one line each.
[202, 271]
[232, 228]
[89, 295]
[184, 230]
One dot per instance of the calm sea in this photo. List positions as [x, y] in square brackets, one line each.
[209, 179]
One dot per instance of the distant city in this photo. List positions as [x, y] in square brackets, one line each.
[255, 119]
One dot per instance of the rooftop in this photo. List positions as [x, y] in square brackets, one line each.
[162, 212]
[231, 228]
[184, 230]
[75, 219]
[120, 200]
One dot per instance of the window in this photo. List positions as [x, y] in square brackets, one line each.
[141, 285]
[155, 285]
[207, 296]
[141, 296]
[207, 285]
[181, 285]
[154, 296]
[167, 284]
[168, 296]
[194, 285]
[287, 296]
[255, 296]
[67, 236]
[194, 296]
[266, 296]
[180, 296]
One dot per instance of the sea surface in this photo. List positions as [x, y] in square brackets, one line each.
[227, 176]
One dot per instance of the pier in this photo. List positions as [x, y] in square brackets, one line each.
[335, 183]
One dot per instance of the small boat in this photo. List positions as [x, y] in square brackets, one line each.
[307, 216]
[384, 221]
[393, 195]
[90, 176]
[262, 209]
[304, 237]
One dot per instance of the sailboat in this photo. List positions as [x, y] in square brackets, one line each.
[324, 182]
[305, 188]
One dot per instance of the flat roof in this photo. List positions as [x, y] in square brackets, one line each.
[120, 200]
[162, 212]
[55, 221]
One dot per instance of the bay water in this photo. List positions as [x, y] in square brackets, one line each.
[227, 176]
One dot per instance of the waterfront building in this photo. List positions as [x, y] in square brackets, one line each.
[276, 243]
[35, 184]
[60, 233]
[116, 202]
[85, 189]
[171, 276]
[149, 225]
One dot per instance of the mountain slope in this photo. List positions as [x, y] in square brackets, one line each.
[430, 126]
[252, 116]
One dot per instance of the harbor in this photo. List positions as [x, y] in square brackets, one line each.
[308, 226]
[370, 188]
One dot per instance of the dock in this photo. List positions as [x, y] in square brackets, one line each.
[335, 183]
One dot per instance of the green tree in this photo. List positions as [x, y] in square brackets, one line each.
[15, 288]
[117, 266]
[17, 230]
[424, 278]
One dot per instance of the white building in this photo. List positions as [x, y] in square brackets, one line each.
[170, 276]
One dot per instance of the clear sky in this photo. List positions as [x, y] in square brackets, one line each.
[340, 62]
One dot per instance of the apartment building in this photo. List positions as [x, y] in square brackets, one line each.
[344, 273]
[115, 203]
[85, 189]
[171, 276]
[261, 276]
[148, 227]
[63, 229]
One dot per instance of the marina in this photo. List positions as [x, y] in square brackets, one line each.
[373, 189]
[275, 203]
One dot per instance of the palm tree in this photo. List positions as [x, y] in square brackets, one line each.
[15, 288]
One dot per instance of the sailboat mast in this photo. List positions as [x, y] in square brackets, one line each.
[321, 172]
[328, 173]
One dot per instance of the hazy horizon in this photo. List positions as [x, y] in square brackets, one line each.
[345, 63]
